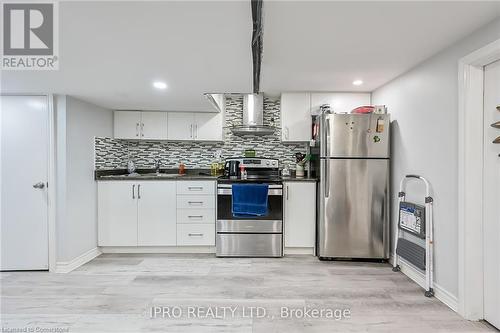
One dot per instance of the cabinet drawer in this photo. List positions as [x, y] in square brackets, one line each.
[196, 234]
[195, 187]
[196, 202]
[196, 216]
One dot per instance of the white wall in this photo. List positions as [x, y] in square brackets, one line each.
[78, 123]
[424, 107]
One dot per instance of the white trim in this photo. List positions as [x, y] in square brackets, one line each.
[419, 278]
[51, 188]
[157, 249]
[68, 266]
[470, 182]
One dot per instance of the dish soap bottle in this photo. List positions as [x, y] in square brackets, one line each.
[243, 172]
[131, 167]
[182, 169]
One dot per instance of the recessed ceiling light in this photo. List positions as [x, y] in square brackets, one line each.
[357, 82]
[160, 85]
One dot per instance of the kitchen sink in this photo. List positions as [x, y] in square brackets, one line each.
[161, 175]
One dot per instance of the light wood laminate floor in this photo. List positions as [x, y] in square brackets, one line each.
[115, 293]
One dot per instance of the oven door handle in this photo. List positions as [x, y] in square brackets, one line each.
[228, 191]
[271, 186]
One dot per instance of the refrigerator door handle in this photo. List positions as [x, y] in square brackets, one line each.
[326, 177]
[326, 139]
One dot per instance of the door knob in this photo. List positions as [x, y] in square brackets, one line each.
[39, 185]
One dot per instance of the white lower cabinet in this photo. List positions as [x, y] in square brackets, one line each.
[153, 213]
[196, 234]
[156, 217]
[195, 216]
[300, 214]
[196, 213]
[117, 213]
[136, 213]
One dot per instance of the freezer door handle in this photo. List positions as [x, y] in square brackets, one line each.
[325, 135]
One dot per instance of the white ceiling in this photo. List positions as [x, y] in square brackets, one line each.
[111, 52]
[325, 46]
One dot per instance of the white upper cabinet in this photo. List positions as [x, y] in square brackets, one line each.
[295, 117]
[140, 125]
[180, 126]
[297, 108]
[339, 102]
[154, 125]
[195, 126]
[208, 126]
[127, 124]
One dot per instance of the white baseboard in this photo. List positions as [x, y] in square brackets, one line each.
[417, 276]
[68, 266]
[157, 249]
[299, 250]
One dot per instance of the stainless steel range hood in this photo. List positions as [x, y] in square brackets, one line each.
[217, 100]
[253, 117]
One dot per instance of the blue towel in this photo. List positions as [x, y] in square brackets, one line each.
[249, 199]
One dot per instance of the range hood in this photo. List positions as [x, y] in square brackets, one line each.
[217, 100]
[253, 117]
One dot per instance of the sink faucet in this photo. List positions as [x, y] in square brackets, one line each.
[157, 165]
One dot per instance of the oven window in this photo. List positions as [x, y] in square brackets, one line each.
[274, 211]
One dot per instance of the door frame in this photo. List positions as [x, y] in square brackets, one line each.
[470, 179]
[51, 179]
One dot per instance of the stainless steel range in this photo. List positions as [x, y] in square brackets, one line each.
[255, 236]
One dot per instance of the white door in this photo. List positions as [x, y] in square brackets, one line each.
[127, 124]
[156, 213]
[208, 126]
[300, 214]
[180, 126]
[154, 125]
[24, 173]
[492, 194]
[117, 213]
[295, 117]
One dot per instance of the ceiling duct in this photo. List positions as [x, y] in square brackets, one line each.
[253, 104]
[256, 43]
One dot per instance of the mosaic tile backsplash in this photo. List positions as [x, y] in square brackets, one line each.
[115, 153]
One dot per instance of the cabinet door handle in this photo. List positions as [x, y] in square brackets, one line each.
[142, 129]
[197, 188]
[195, 234]
[133, 191]
[287, 191]
[195, 216]
[196, 131]
[137, 129]
[195, 202]
[191, 131]
[139, 191]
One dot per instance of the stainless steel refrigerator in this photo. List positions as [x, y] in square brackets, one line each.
[353, 160]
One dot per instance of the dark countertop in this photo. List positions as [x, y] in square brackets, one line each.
[295, 179]
[172, 174]
[150, 174]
